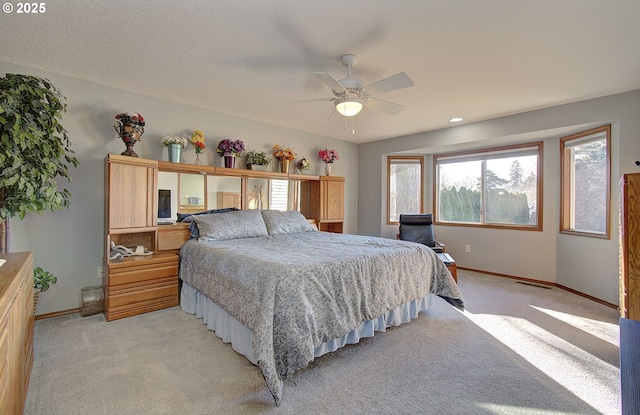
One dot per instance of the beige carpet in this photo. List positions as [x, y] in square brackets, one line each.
[517, 349]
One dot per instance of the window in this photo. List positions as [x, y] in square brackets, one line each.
[404, 186]
[498, 187]
[586, 168]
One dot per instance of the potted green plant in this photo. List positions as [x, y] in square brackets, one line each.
[257, 160]
[41, 281]
[35, 150]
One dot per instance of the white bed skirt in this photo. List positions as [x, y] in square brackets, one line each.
[240, 336]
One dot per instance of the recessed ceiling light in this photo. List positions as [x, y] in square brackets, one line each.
[455, 119]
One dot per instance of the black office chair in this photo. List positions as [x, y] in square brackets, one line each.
[419, 228]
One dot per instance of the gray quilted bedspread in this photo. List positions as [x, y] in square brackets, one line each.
[299, 290]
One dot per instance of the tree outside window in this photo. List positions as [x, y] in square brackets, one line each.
[405, 186]
[585, 199]
[496, 187]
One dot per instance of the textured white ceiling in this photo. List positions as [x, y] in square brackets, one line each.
[468, 58]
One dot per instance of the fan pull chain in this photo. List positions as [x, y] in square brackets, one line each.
[353, 129]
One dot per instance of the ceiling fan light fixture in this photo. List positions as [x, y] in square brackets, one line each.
[348, 106]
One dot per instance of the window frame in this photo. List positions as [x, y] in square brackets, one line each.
[419, 159]
[481, 153]
[565, 184]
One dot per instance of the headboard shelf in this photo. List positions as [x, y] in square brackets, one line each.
[168, 166]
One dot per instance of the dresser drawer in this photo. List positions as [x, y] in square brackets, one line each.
[5, 399]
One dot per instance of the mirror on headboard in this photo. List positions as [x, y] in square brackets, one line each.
[192, 198]
[187, 191]
[224, 192]
[168, 182]
[273, 194]
[195, 192]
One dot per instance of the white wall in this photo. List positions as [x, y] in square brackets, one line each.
[69, 243]
[588, 265]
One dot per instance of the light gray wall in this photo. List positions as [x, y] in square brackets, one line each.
[588, 265]
[69, 243]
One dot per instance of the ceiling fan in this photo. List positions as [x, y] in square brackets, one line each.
[350, 94]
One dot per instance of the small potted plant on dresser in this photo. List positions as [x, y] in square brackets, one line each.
[257, 160]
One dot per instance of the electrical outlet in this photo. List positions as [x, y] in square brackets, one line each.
[99, 273]
[467, 248]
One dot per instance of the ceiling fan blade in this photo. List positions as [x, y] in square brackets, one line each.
[397, 81]
[330, 81]
[302, 101]
[387, 107]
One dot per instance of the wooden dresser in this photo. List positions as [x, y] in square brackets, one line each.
[630, 293]
[630, 246]
[16, 330]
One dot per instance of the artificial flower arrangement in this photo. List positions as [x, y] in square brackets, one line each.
[328, 156]
[129, 126]
[197, 141]
[125, 118]
[228, 147]
[169, 139]
[303, 165]
[283, 153]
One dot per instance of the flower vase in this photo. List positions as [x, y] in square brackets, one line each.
[229, 161]
[175, 151]
[327, 169]
[284, 166]
[197, 159]
[129, 134]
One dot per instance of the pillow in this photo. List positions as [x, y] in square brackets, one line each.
[283, 222]
[230, 225]
[188, 217]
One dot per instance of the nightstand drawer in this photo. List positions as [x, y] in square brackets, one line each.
[172, 236]
[158, 289]
[135, 275]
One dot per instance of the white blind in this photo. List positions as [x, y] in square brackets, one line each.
[488, 155]
[602, 135]
[278, 191]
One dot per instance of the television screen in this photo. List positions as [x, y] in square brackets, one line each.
[164, 205]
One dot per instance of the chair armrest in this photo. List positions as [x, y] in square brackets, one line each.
[441, 245]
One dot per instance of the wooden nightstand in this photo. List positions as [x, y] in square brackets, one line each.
[140, 284]
[450, 263]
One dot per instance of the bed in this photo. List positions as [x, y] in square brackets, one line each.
[283, 293]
